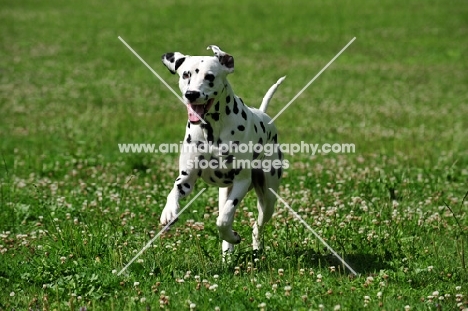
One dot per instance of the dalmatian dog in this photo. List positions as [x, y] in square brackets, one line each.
[218, 118]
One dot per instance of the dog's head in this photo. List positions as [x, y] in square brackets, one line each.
[201, 78]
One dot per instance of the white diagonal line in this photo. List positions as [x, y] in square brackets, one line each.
[151, 69]
[160, 232]
[311, 81]
[159, 77]
[313, 231]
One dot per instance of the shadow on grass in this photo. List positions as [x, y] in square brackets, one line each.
[309, 258]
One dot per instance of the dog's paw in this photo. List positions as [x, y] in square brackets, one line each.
[237, 237]
[169, 214]
[231, 238]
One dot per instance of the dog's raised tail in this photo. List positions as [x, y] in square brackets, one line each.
[269, 94]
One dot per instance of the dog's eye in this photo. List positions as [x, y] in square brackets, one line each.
[185, 75]
[209, 77]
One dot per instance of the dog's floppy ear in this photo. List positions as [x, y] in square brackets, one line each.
[173, 60]
[224, 58]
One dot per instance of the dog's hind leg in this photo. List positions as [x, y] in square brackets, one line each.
[266, 200]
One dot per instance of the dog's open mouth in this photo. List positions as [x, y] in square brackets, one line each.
[196, 112]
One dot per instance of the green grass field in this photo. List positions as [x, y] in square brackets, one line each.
[74, 210]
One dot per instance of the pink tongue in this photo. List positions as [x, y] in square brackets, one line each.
[198, 109]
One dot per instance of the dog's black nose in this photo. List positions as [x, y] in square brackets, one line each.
[192, 95]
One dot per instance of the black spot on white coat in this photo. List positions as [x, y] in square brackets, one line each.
[229, 158]
[215, 116]
[181, 191]
[244, 115]
[209, 132]
[235, 109]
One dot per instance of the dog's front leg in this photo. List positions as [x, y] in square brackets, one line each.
[183, 186]
[226, 214]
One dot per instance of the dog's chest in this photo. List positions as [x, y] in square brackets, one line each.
[222, 148]
[216, 151]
